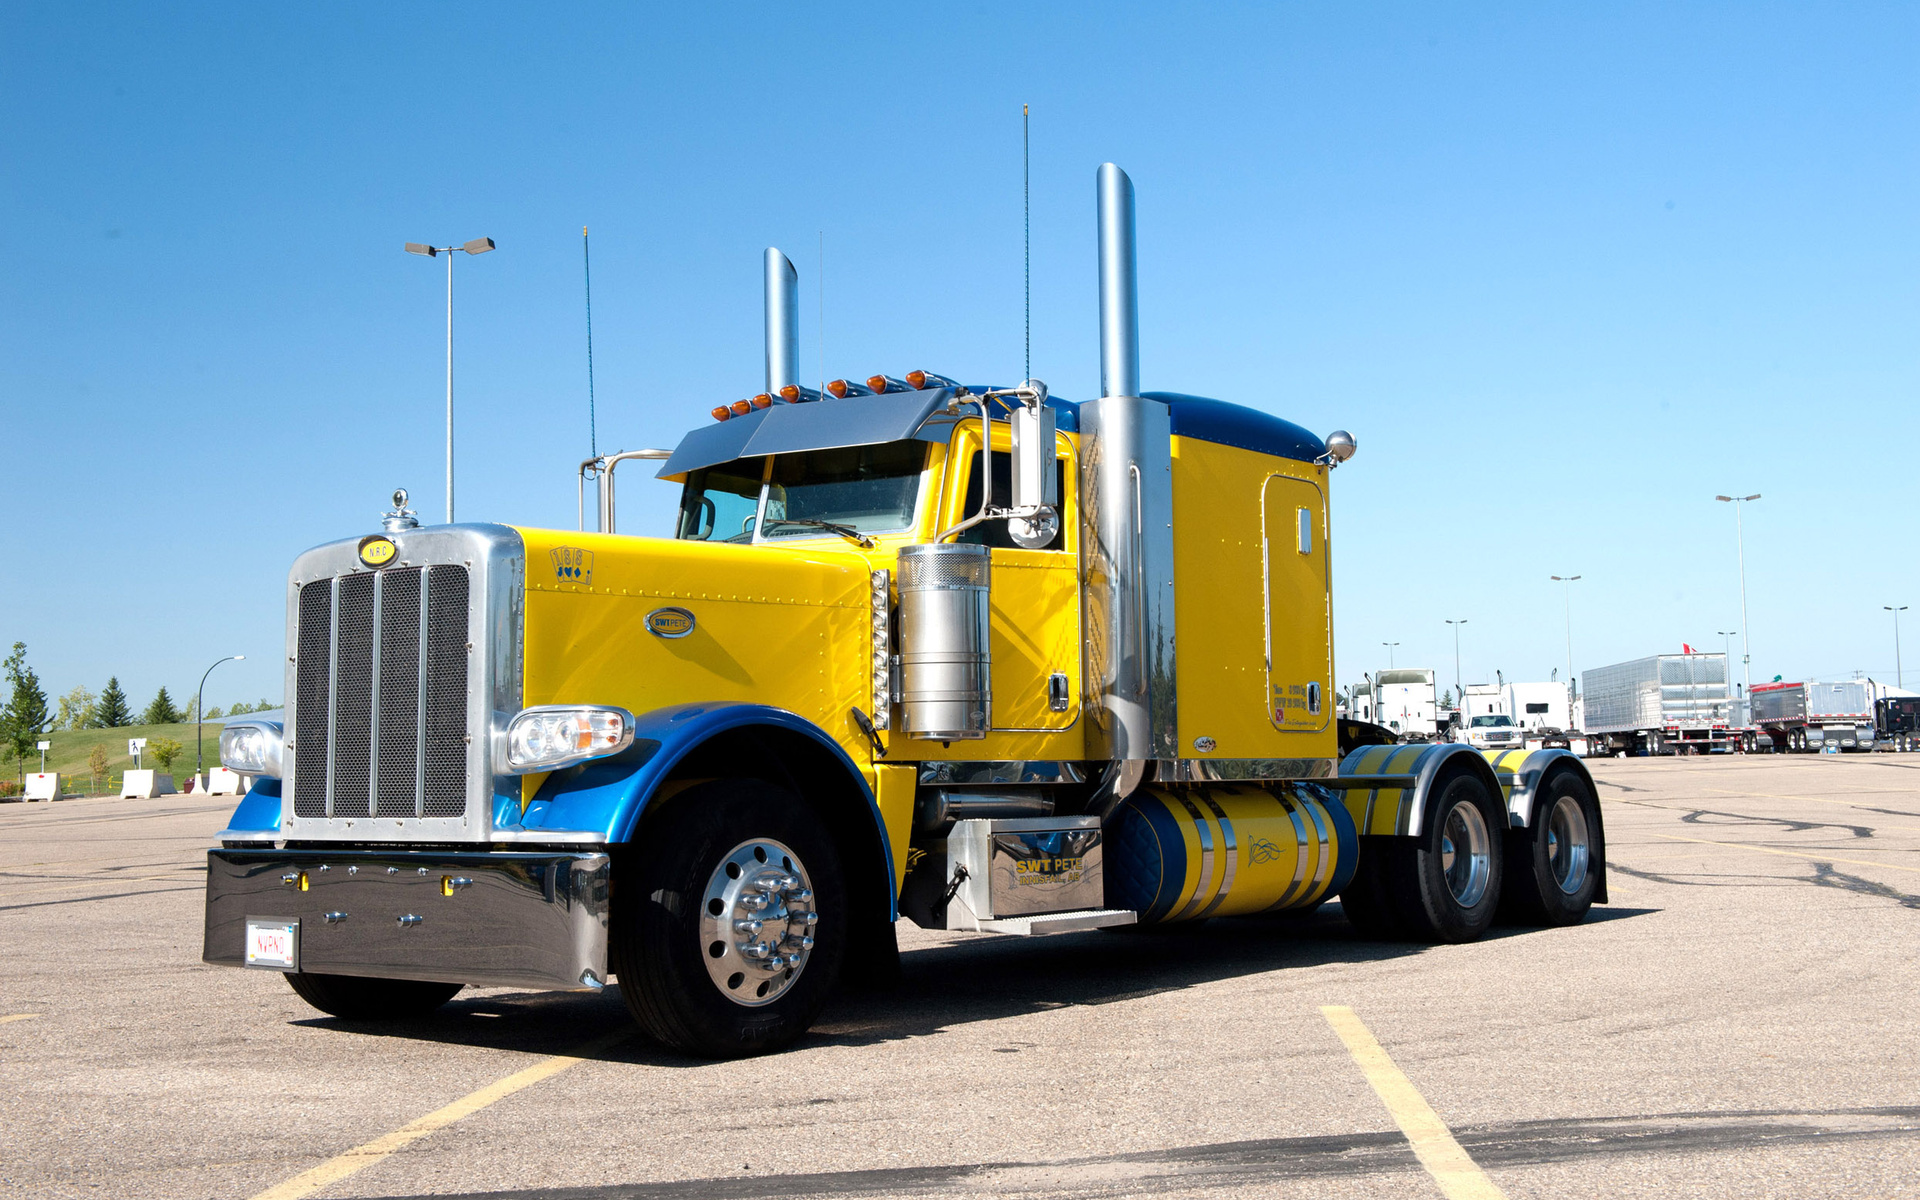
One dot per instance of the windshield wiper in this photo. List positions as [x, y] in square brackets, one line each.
[845, 531]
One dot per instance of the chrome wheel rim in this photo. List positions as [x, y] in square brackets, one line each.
[1466, 854]
[1569, 848]
[756, 922]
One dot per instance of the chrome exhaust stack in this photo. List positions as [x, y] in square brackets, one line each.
[1119, 286]
[1126, 526]
[783, 322]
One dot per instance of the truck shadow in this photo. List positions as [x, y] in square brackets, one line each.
[988, 979]
[955, 983]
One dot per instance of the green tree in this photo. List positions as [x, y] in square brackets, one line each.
[164, 750]
[161, 711]
[239, 708]
[97, 767]
[110, 711]
[190, 712]
[214, 713]
[25, 717]
[76, 710]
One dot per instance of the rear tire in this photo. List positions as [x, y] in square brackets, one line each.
[693, 973]
[1446, 880]
[356, 998]
[1554, 868]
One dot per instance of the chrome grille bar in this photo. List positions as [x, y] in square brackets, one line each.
[353, 732]
[397, 790]
[312, 698]
[445, 699]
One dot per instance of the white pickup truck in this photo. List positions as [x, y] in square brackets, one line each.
[1493, 731]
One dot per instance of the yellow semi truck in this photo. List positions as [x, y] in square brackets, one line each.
[976, 656]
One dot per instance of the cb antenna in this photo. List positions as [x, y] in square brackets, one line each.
[1026, 221]
[593, 431]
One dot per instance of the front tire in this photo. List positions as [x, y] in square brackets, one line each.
[730, 928]
[356, 998]
[1553, 869]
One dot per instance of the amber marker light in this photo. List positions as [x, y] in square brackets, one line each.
[742, 407]
[917, 380]
[763, 401]
[722, 413]
[839, 389]
[790, 393]
[877, 382]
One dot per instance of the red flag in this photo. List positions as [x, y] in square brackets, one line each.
[1685, 649]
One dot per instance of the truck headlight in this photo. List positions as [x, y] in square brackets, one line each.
[252, 748]
[559, 735]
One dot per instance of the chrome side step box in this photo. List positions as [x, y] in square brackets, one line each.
[1066, 922]
[1017, 875]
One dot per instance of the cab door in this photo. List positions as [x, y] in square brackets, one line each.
[1035, 635]
[1299, 606]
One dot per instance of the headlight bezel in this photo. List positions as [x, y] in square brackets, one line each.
[259, 747]
[537, 739]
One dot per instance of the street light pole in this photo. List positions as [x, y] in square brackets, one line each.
[1740, 537]
[1900, 675]
[200, 710]
[1567, 581]
[1389, 646]
[476, 246]
[1459, 689]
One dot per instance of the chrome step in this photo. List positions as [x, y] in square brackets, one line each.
[1064, 922]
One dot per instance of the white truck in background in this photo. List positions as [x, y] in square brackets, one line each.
[1540, 706]
[1405, 702]
[1486, 723]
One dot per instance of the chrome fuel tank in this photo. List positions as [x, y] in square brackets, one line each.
[945, 682]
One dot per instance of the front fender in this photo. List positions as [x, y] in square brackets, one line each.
[608, 796]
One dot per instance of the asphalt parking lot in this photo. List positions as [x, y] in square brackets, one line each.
[1739, 1021]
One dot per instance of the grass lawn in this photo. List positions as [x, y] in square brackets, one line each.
[71, 747]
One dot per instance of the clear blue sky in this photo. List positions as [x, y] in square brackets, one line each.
[1565, 271]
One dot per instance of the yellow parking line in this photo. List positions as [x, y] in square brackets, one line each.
[1458, 1176]
[18, 1017]
[379, 1149]
[1832, 858]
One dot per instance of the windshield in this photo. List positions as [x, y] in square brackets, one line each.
[1492, 722]
[719, 503]
[867, 489]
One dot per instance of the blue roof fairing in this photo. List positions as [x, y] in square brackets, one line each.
[1238, 426]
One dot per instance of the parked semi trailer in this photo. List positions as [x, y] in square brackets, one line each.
[1665, 704]
[1896, 722]
[1806, 718]
[979, 656]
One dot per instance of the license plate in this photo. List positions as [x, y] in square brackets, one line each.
[273, 943]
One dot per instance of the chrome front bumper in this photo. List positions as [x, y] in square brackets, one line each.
[497, 919]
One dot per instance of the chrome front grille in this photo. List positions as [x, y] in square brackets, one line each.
[381, 687]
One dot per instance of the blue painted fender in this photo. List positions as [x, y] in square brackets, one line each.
[608, 795]
[259, 810]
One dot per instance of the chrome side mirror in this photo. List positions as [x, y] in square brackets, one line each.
[1035, 483]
